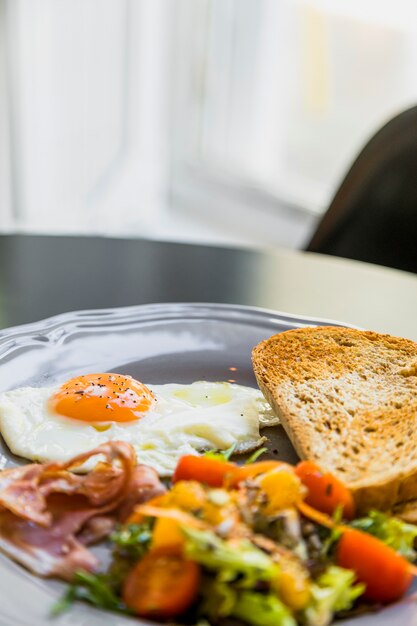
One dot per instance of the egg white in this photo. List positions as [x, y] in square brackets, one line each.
[185, 419]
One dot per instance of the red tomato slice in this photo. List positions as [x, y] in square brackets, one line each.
[162, 585]
[203, 469]
[325, 491]
[386, 574]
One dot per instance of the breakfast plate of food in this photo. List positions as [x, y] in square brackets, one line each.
[204, 465]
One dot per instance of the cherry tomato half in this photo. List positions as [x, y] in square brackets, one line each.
[162, 585]
[325, 491]
[385, 573]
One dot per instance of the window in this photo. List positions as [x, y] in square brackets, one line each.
[84, 84]
[147, 117]
[279, 97]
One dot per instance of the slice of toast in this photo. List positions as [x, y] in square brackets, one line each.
[348, 401]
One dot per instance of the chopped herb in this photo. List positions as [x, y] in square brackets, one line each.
[132, 541]
[334, 534]
[221, 455]
[255, 456]
[95, 589]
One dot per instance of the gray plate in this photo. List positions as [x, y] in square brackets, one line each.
[154, 343]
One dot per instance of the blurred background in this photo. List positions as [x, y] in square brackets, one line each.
[215, 121]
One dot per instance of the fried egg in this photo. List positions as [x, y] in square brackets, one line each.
[161, 422]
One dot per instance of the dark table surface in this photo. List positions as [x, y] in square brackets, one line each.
[41, 276]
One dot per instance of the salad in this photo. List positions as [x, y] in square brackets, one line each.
[262, 544]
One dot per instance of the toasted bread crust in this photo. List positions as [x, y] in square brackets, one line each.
[348, 401]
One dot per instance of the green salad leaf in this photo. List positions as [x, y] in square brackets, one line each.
[392, 531]
[335, 590]
[243, 558]
[223, 599]
[218, 598]
[262, 610]
[236, 572]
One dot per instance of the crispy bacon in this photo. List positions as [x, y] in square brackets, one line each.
[48, 514]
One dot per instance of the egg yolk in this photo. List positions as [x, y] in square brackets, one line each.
[102, 398]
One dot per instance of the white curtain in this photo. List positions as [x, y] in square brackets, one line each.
[82, 104]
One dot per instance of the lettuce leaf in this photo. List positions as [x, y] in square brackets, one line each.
[239, 569]
[333, 591]
[218, 599]
[392, 531]
[262, 610]
[242, 558]
[223, 599]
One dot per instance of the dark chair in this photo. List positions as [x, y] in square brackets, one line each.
[373, 216]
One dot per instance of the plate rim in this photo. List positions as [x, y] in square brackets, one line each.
[139, 310]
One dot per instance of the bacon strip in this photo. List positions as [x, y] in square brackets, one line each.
[48, 515]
